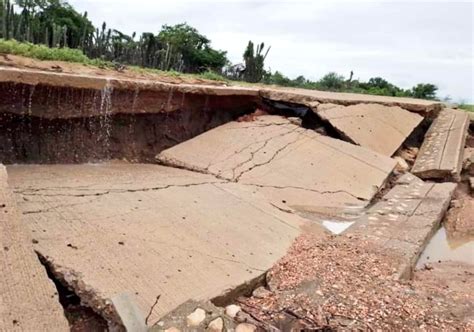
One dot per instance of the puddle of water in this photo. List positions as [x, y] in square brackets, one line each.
[442, 248]
[337, 227]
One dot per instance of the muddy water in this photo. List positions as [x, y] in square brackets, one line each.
[444, 248]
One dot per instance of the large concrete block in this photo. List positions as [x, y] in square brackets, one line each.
[441, 154]
[374, 126]
[287, 163]
[148, 230]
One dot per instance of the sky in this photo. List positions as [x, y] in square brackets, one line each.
[405, 42]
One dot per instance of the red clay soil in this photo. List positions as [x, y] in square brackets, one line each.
[459, 221]
[16, 61]
[338, 283]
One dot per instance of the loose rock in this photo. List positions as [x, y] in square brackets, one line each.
[402, 165]
[196, 318]
[217, 325]
[261, 292]
[232, 310]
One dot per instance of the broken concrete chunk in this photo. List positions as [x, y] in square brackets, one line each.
[130, 315]
[196, 318]
[380, 128]
[232, 310]
[441, 154]
[217, 325]
[285, 163]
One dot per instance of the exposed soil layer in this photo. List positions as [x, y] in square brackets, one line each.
[338, 283]
[16, 61]
[43, 124]
[459, 221]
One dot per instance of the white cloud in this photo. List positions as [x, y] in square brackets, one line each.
[406, 42]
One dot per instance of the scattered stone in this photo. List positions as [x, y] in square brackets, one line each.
[217, 325]
[402, 165]
[232, 310]
[245, 327]
[261, 292]
[243, 317]
[196, 318]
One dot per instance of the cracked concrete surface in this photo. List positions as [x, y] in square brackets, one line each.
[380, 128]
[22, 275]
[150, 230]
[286, 163]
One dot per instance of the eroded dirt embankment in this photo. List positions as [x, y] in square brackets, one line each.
[52, 124]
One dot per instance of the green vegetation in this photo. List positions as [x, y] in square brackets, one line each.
[467, 107]
[43, 52]
[254, 63]
[335, 82]
[56, 24]
[54, 30]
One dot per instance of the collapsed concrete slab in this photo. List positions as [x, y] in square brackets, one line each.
[405, 219]
[28, 298]
[374, 126]
[441, 154]
[285, 162]
[148, 231]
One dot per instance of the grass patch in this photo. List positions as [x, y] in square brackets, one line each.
[467, 107]
[42, 52]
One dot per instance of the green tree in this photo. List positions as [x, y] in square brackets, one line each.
[331, 81]
[185, 43]
[424, 91]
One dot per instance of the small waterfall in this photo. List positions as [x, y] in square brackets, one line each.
[133, 121]
[30, 99]
[105, 114]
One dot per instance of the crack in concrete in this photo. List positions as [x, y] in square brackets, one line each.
[112, 191]
[275, 155]
[322, 192]
[49, 209]
[252, 153]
